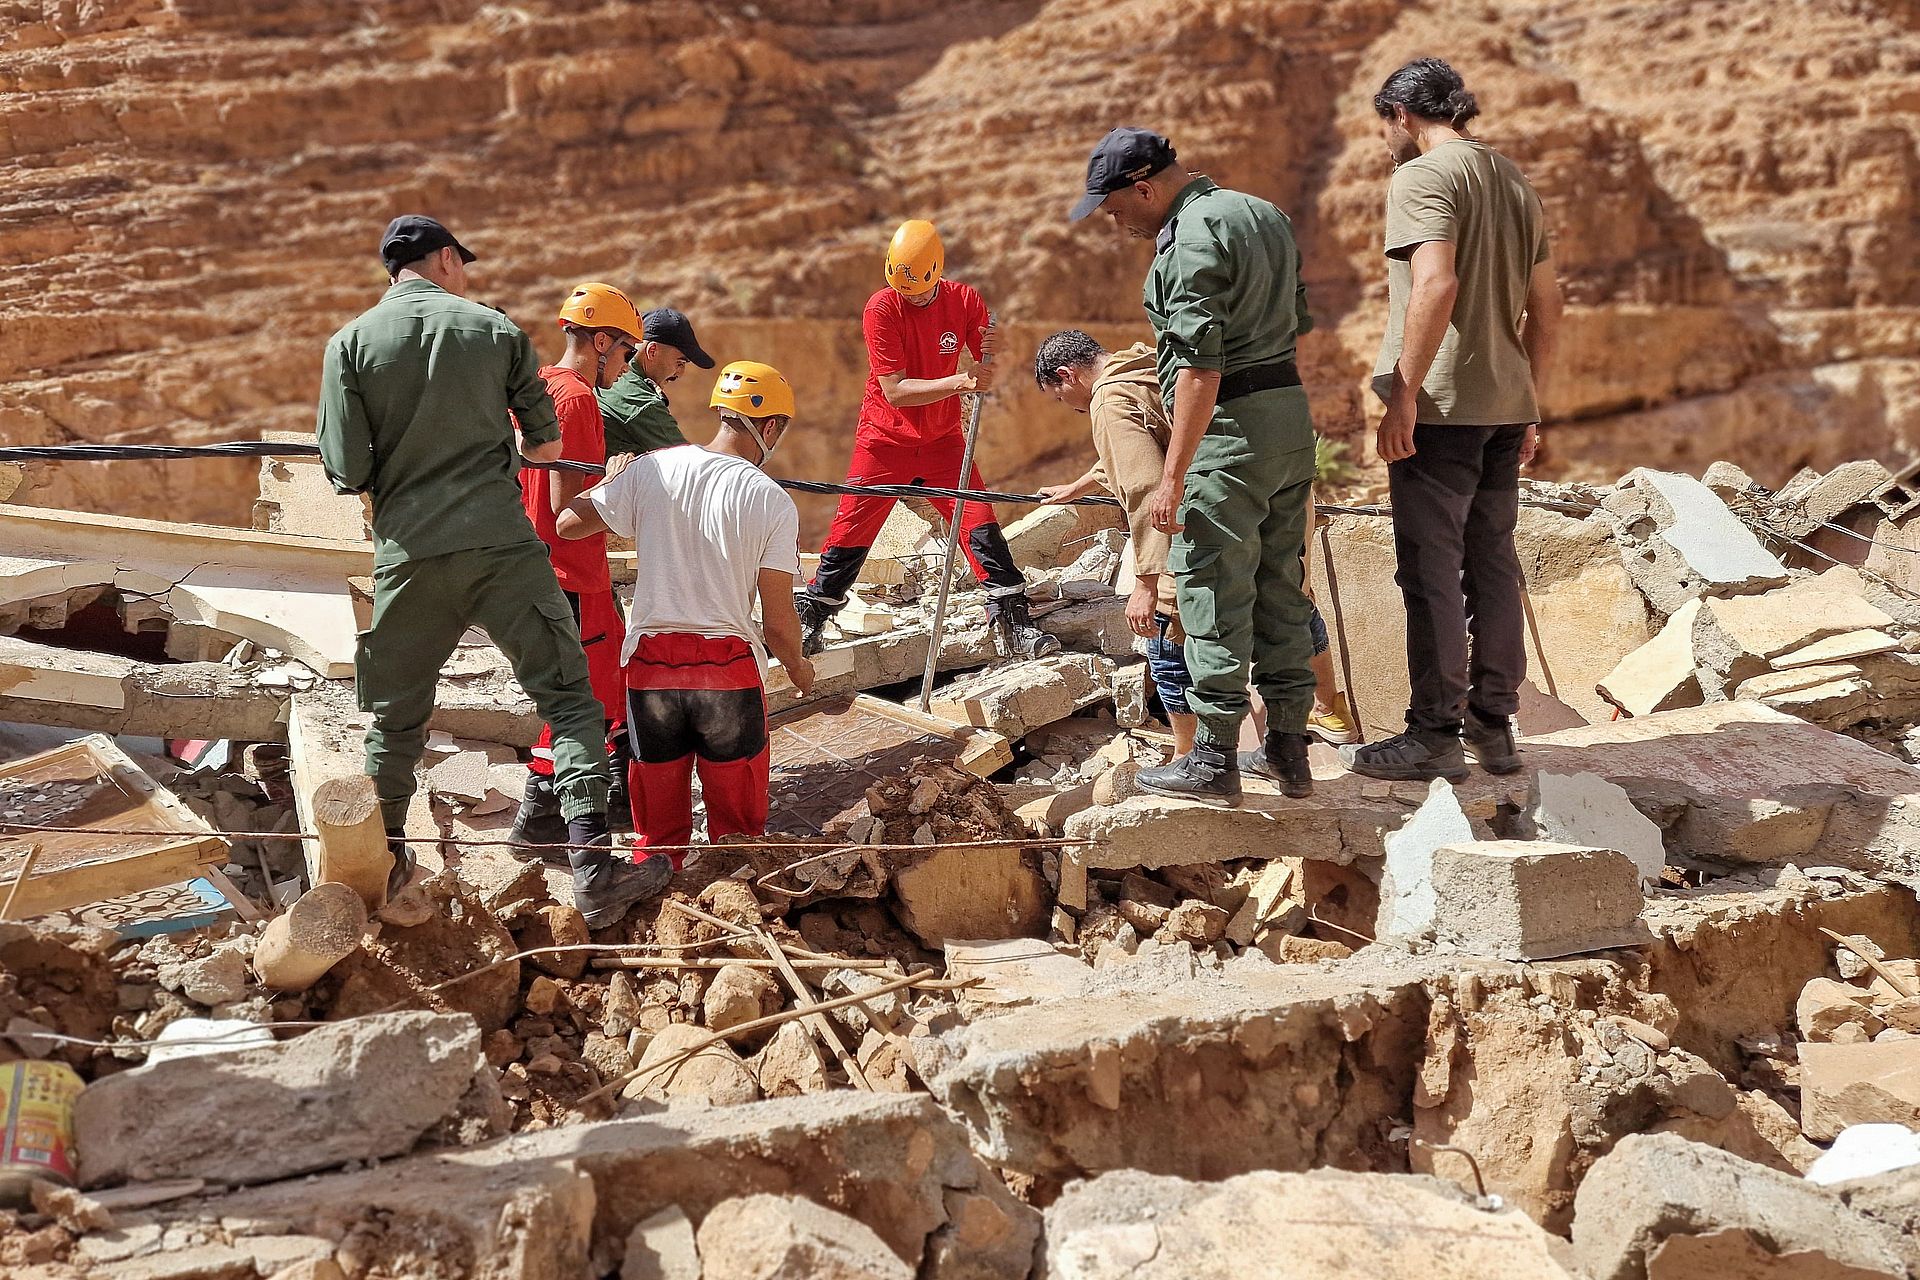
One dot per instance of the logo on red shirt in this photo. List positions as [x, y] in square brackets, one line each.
[949, 343]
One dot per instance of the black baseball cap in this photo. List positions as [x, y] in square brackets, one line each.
[1123, 157]
[664, 324]
[413, 236]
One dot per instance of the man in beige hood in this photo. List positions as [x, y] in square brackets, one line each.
[1119, 391]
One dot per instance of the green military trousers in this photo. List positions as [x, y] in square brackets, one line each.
[1238, 566]
[420, 610]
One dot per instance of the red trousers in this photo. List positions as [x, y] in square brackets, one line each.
[603, 633]
[857, 521]
[695, 703]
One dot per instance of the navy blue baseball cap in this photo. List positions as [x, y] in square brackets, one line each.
[1123, 157]
[411, 237]
[664, 324]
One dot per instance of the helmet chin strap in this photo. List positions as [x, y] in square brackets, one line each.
[752, 428]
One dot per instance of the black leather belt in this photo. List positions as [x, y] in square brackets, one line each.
[1261, 377]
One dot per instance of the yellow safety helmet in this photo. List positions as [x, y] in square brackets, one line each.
[593, 305]
[753, 390]
[915, 258]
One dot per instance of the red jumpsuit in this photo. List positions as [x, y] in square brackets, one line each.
[581, 564]
[922, 444]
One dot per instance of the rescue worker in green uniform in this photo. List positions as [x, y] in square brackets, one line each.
[1226, 302]
[635, 407]
[414, 402]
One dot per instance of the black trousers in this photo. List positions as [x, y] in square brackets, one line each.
[1455, 504]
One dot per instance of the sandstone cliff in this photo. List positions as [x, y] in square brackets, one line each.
[193, 188]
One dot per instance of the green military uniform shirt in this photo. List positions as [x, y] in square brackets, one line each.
[638, 420]
[1225, 294]
[414, 400]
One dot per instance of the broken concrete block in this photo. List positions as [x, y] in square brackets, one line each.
[1020, 971]
[1845, 1084]
[1659, 675]
[464, 776]
[1015, 698]
[1406, 882]
[1534, 900]
[1825, 1006]
[1585, 809]
[740, 994]
[362, 1090]
[1185, 1071]
[714, 1075]
[1841, 489]
[1199, 924]
[1129, 1225]
[1048, 535]
[791, 1063]
[767, 1237]
[1654, 1187]
[1130, 695]
[1737, 638]
[972, 893]
[1727, 479]
[1841, 648]
[1690, 543]
[662, 1248]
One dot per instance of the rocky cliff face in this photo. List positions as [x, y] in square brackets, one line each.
[193, 190]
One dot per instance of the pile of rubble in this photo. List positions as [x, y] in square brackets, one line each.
[1634, 1012]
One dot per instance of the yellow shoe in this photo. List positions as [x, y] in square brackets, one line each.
[1334, 726]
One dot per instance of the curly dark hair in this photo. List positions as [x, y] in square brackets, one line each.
[1067, 349]
[1429, 88]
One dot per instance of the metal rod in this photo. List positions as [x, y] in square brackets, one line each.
[972, 410]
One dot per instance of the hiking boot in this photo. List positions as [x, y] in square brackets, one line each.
[1283, 760]
[1491, 742]
[1334, 726]
[404, 863]
[1409, 757]
[814, 613]
[1010, 619]
[1205, 773]
[538, 821]
[606, 887]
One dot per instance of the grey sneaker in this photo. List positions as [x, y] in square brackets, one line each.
[1409, 757]
[1205, 773]
[1491, 742]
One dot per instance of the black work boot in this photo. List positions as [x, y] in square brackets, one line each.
[605, 886]
[1418, 755]
[1491, 742]
[1205, 773]
[538, 821]
[1284, 760]
[814, 613]
[619, 809]
[404, 863]
[1010, 618]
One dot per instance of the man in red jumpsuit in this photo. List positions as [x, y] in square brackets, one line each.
[603, 329]
[910, 433]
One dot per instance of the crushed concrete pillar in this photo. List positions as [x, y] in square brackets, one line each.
[1659, 1204]
[1585, 809]
[1406, 883]
[1534, 900]
[1690, 543]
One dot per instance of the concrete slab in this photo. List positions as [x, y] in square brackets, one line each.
[1659, 675]
[1534, 900]
[1585, 809]
[1407, 902]
[1690, 542]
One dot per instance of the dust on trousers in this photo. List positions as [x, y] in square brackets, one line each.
[603, 633]
[858, 520]
[695, 704]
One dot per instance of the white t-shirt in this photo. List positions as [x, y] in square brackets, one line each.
[703, 527]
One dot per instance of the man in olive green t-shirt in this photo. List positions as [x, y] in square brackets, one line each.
[635, 406]
[1473, 311]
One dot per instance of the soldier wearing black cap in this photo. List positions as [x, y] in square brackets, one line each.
[1227, 305]
[414, 411]
[635, 407]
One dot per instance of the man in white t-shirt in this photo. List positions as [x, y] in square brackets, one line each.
[710, 532]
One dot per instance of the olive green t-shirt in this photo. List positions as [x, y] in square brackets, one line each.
[1467, 193]
[637, 417]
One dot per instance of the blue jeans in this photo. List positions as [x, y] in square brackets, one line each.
[1317, 628]
[1167, 663]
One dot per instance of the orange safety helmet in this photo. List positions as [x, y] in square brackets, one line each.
[915, 258]
[753, 390]
[600, 306]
